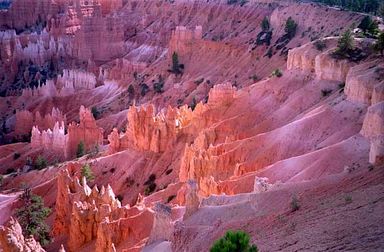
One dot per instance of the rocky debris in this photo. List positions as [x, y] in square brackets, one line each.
[373, 129]
[261, 185]
[192, 201]
[13, 240]
[162, 229]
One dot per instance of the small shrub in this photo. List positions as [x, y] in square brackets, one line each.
[40, 162]
[326, 92]
[150, 189]
[170, 198]
[87, 172]
[199, 81]
[295, 205]
[80, 149]
[131, 90]
[1, 179]
[120, 197]
[16, 155]
[277, 72]
[95, 112]
[168, 172]
[234, 241]
[348, 199]
[193, 104]
[254, 77]
[320, 45]
[9, 171]
[144, 89]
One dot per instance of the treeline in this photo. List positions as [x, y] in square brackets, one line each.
[367, 6]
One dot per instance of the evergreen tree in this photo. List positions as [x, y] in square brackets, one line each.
[345, 43]
[234, 241]
[175, 63]
[87, 172]
[32, 215]
[379, 45]
[80, 149]
[265, 25]
[290, 27]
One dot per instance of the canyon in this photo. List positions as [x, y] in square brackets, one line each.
[193, 120]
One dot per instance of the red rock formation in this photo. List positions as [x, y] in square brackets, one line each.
[12, 239]
[192, 201]
[162, 229]
[87, 215]
[65, 145]
[25, 120]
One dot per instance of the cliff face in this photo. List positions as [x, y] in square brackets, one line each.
[12, 239]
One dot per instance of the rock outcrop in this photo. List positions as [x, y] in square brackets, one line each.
[13, 240]
[162, 229]
[373, 129]
[65, 145]
[86, 214]
[192, 201]
[25, 120]
[365, 81]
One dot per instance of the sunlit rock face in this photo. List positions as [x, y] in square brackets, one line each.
[13, 240]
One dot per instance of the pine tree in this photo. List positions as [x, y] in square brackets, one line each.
[87, 172]
[345, 43]
[234, 241]
[80, 149]
[265, 24]
[290, 27]
[379, 45]
[175, 63]
[32, 215]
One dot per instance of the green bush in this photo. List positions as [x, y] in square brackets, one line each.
[80, 149]
[277, 72]
[40, 162]
[320, 45]
[234, 241]
[87, 172]
[295, 205]
[32, 215]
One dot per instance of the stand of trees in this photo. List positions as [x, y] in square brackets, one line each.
[368, 6]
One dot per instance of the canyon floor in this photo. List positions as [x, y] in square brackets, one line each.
[160, 125]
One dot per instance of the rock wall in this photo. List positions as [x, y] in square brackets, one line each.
[183, 40]
[365, 82]
[13, 240]
[373, 129]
